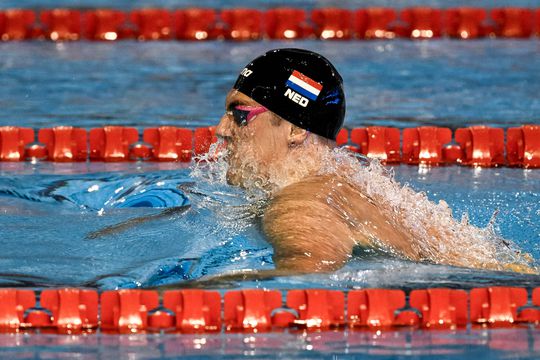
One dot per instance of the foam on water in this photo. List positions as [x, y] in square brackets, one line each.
[435, 234]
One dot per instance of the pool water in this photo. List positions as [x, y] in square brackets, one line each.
[52, 215]
[348, 345]
[398, 83]
[51, 210]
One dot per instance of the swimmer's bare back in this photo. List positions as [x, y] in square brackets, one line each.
[315, 223]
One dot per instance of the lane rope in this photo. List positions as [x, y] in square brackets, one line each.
[73, 310]
[478, 146]
[279, 23]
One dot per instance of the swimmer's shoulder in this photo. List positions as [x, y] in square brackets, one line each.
[311, 202]
[306, 226]
[317, 188]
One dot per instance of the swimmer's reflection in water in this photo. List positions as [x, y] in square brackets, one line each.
[282, 117]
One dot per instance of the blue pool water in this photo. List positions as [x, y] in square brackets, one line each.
[398, 83]
[52, 208]
[50, 212]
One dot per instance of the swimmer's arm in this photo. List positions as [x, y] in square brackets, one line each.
[307, 234]
[130, 223]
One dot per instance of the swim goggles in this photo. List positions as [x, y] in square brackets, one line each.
[243, 114]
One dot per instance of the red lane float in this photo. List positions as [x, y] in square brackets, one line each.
[61, 24]
[64, 143]
[523, 146]
[482, 145]
[423, 145]
[422, 22]
[496, 306]
[16, 24]
[202, 139]
[440, 308]
[375, 23]
[342, 137]
[105, 24]
[513, 22]
[452, 154]
[71, 309]
[375, 308]
[378, 142]
[278, 23]
[152, 24]
[242, 24]
[537, 17]
[170, 143]
[194, 310]
[253, 310]
[474, 146]
[13, 305]
[196, 24]
[531, 315]
[536, 297]
[332, 23]
[250, 310]
[317, 309]
[112, 143]
[126, 311]
[286, 23]
[465, 23]
[13, 141]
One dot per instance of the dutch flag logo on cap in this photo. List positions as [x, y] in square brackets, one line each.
[304, 85]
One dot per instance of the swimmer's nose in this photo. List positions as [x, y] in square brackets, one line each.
[224, 128]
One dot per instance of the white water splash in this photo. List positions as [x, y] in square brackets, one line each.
[435, 235]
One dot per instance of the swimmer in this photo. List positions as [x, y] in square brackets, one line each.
[280, 125]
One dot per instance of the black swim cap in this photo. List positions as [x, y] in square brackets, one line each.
[301, 86]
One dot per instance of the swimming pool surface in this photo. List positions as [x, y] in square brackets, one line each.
[401, 83]
[53, 217]
[398, 83]
[50, 212]
[487, 344]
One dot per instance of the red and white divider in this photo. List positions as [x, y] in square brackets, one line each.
[72, 310]
[278, 23]
[472, 146]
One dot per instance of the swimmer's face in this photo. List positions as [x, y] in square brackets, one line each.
[253, 146]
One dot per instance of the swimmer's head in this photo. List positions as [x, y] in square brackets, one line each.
[300, 86]
[284, 106]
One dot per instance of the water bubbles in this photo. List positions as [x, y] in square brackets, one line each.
[433, 230]
[212, 166]
[93, 188]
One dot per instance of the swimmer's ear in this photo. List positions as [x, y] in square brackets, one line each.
[297, 136]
